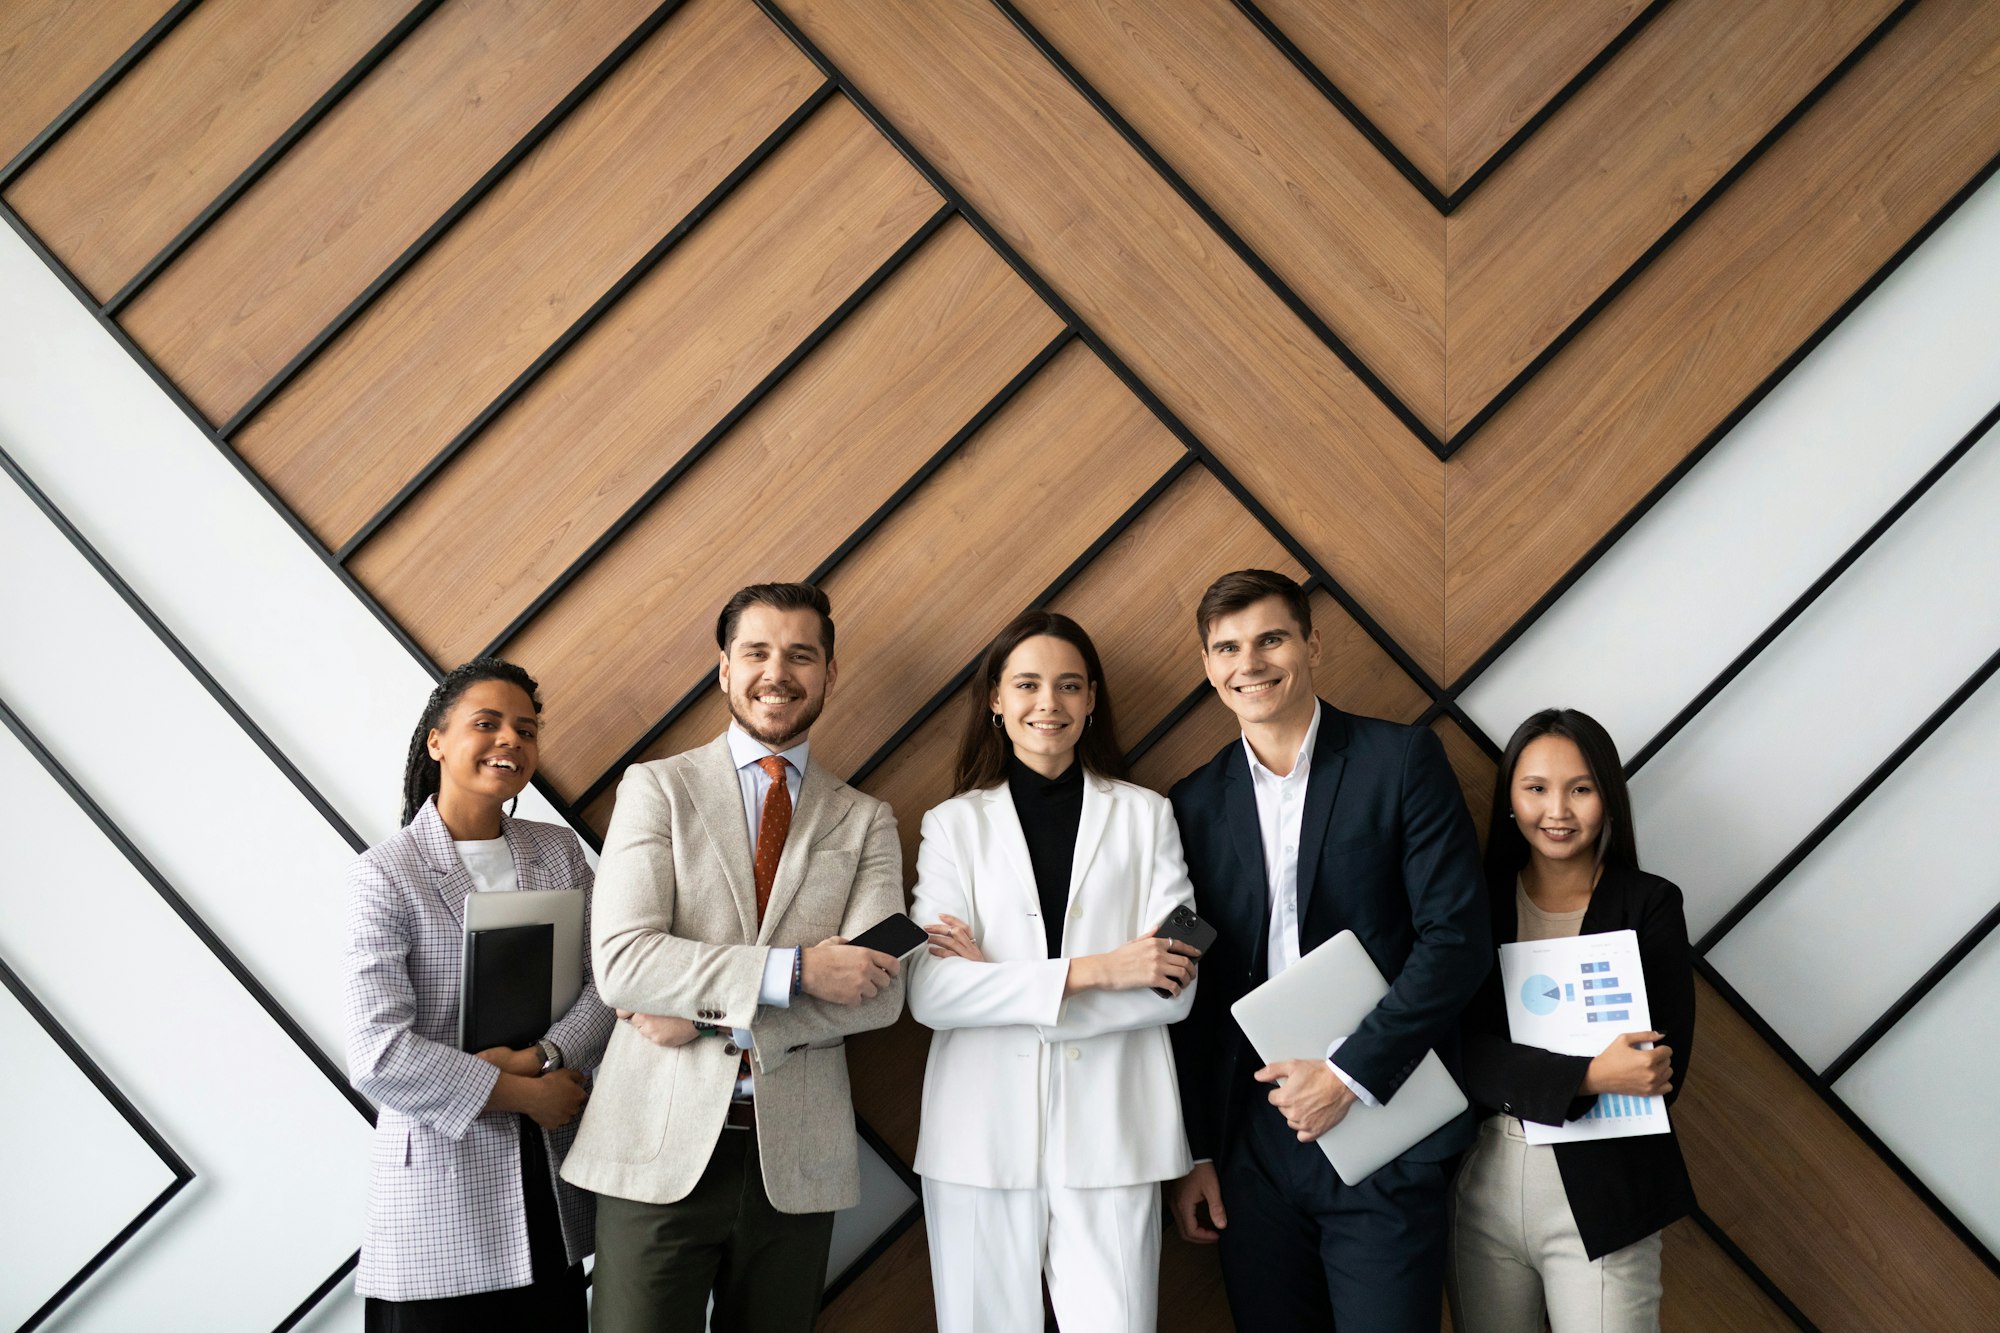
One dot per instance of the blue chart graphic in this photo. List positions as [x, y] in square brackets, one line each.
[1612, 1106]
[1539, 994]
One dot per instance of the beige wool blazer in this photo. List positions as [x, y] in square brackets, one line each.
[674, 931]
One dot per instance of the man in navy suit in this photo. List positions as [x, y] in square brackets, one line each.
[1315, 822]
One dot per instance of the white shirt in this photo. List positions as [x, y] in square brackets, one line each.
[1281, 810]
[754, 782]
[491, 864]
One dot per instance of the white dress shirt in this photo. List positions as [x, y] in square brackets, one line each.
[746, 750]
[1281, 810]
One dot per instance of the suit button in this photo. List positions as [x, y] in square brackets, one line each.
[1075, 1054]
[730, 1048]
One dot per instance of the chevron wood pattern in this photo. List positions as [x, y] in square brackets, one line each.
[563, 321]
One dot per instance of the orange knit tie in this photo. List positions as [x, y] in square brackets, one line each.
[772, 826]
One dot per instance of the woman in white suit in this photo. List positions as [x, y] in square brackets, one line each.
[1050, 1108]
[469, 1227]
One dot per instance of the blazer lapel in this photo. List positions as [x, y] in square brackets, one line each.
[718, 799]
[1239, 809]
[454, 881]
[822, 805]
[1007, 839]
[1097, 800]
[1329, 759]
[529, 873]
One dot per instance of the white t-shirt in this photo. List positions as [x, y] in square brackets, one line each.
[491, 864]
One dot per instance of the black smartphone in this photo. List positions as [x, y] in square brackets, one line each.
[894, 935]
[1183, 925]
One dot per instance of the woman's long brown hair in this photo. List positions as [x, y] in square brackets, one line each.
[983, 748]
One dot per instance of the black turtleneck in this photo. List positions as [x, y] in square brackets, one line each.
[1051, 809]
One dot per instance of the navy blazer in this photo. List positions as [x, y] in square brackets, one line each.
[1621, 1190]
[1387, 850]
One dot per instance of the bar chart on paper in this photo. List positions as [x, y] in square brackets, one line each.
[1575, 996]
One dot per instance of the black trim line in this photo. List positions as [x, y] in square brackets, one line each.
[1912, 997]
[523, 146]
[250, 175]
[1186, 704]
[101, 85]
[876, 1249]
[181, 1171]
[700, 448]
[1805, 599]
[1244, 250]
[707, 680]
[584, 322]
[319, 1293]
[1751, 1270]
[1848, 805]
[181, 654]
[193, 920]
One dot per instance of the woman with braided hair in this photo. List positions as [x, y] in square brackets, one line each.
[469, 1225]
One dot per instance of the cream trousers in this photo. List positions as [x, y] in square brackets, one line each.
[1515, 1253]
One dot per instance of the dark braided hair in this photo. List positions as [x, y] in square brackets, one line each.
[420, 772]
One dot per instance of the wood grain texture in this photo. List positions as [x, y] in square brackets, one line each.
[894, 1292]
[51, 50]
[1617, 166]
[1726, 305]
[352, 195]
[1474, 770]
[1282, 166]
[1707, 1293]
[1809, 1201]
[1218, 346]
[184, 123]
[499, 288]
[857, 417]
[609, 419]
[1388, 57]
[1504, 60]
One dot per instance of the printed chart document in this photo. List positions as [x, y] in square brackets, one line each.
[1573, 996]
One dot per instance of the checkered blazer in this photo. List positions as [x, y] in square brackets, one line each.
[444, 1199]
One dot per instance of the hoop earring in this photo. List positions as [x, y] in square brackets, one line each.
[1089, 718]
[997, 724]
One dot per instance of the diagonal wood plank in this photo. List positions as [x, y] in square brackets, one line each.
[51, 50]
[1540, 241]
[1679, 351]
[1388, 57]
[163, 142]
[1282, 166]
[341, 438]
[1221, 350]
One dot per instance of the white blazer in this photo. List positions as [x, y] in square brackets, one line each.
[1011, 1058]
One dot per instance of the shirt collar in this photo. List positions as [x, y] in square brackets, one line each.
[1299, 766]
[1020, 777]
[745, 750]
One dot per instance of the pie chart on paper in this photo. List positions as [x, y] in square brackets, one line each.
[1540, 994]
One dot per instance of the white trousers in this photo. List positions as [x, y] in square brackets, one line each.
[1515, 1253]
[1100, 1249]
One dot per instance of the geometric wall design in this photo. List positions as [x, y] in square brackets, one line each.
[1601, 349]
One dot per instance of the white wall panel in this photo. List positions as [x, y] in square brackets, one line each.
[1776, 503]
[1839, 690]
[171, 768]
[279, 1156]
[49, 1228]
[1883, 898]
[1931, 1088]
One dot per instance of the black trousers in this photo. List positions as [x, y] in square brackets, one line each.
[553, 1303]
[1304, 1251]
[657, 1263]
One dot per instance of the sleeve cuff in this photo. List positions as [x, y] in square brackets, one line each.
[776, 990]
[1367, 1098]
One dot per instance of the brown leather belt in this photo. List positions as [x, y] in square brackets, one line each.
[742, 1115]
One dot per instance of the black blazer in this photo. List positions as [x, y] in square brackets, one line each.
[1386, 850]
[1621, 1190]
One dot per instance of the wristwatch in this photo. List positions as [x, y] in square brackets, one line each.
[551, 1055]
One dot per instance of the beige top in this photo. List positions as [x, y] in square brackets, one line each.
[1532, 923]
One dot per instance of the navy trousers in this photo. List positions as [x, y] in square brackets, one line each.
[1304, 1251]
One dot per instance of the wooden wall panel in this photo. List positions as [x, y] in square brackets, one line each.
[1308, 439]
[1707, 1293]
[367, 181]
[51, 50]
[893, 1293]
[1388, 59]
[185, 122]
[885, 391]
[1619, 164]
[1282, 165]
[613, 415]
[1804, 1196]
[495, 292]
[1504, 60]
[1474, 770]
[1744, 286]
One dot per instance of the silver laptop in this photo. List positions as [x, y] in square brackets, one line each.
[1297, 1014]
[561, 908]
